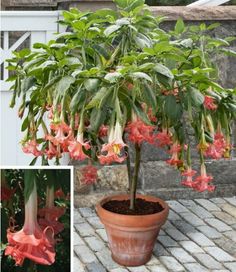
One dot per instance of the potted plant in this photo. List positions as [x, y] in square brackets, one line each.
[114, 80]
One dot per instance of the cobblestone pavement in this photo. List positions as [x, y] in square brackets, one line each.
[200, 235]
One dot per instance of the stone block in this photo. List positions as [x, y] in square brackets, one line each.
[181, 255]
[191, 247]
[171, 263]
[208, 261]
[200, 239]
[95, 267]
[85, 254]
[219, 254]
[217, 224]
[195, 267]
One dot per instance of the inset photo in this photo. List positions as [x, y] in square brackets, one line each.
[36, 219]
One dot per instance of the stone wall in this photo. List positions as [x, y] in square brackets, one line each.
[156, 177]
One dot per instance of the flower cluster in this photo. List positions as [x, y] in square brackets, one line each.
[35, 241]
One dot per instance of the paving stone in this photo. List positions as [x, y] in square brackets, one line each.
[219, 254]
[171, 263]
[230, 209]
[231, 235]
[87, 212]
[192, 219]
[105, 258]
[200, 239]
[181, 255]
[102, 233]
[78, 266]
[173, 216]
[85, 254]
[221, 270]
[159, 250]
[95, 222]
[84, 229]
[226, 244]
[208, 261]
[184, 227]
[167, 225]
[176, 206]
[196, 209]
[166, 241]
[78, 218]
[77, 239]
[231, 200]
[161, 232]
[119, 269]
[217, 200]
[141, 268]
[157, 268]
[217, 224]
[176, 234]
[153, 261]
[95, 243]
[94, 267]
[195, 267]
[225, 217]
[191, 247]
[207, 204]
[231, 266]
[210, 232]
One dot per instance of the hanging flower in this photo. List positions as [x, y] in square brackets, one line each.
[188, 173]
[201, 182]
[209, 103]
[139, 132]
[62, 133]
[76, 146]
[31, 242]
[31, 147]
[59, 194]
[114, 149]
[163, 138]
[50, 214]
[89, 174]
[175, 150]
[217, 149]
[103, 131]
[52, 151]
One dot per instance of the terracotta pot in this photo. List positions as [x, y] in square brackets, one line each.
[132, 237]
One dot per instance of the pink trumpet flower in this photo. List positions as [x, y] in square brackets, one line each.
[30, 147]
[31, 242]
[163, 138]
[76, 146]
[209, 103]
[113, 151]
[174, 150]
[201, 182]
[188, 173]
[50, 214]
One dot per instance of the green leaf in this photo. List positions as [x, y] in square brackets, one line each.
[139, 111]
[163, 70]
[228, 52]
[99, 97]
[112, 77]
[64, 84]
[196, 96]
[27, 83]
[149, 96]
[141, 75]
[213, 26]
[142, 40]
[111, 29]
[91, 84]
[97, 118]
[76, 99]
[173, 109]
[179, 26]
[70, 61]
[25, 124]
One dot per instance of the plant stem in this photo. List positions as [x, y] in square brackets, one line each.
[134, 180]
[128, 168]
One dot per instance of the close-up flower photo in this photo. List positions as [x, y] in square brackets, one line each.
[137, 98]
[35, 220]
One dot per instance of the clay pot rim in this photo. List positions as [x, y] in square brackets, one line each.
[125, 196]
